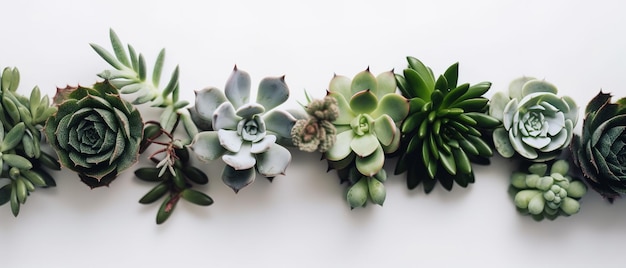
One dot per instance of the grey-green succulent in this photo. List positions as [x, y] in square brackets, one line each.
[367, 128]
[547, 193]
[245, 135]
[96, 133]
[536, 123]
[601, 150]
[316, 132]
[22, 161]
[443, 133]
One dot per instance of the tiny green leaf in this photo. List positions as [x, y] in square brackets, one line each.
[196, 197]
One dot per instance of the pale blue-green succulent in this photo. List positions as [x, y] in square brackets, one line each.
[537, 124]
[245, 135]
[547, 194]
[367, 128]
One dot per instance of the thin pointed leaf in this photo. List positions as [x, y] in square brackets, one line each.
[105, 55]
[158, 67]
[118, 48]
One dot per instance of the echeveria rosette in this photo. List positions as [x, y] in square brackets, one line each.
[96, 133]
[245, 135]
[601, 150]
[547, 193]
[443, 133]
[536, 123]
[367, 129]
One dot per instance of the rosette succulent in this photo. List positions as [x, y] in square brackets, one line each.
[536, 123]
[244, 134]
[544, 194]
[601, 150]
[95, 133]
[369, 112]
[443, 132]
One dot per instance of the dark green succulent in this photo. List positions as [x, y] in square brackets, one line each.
[547, 193]
[22, 161]
[443, 132]
[601, 150]
[95, 133]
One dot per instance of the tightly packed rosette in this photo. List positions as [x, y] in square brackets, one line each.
[95, 133]
[244, 134]
[367, 128]
[316, 131]
[601, 151]
[536, 123]
[443, 133]
[547, 193]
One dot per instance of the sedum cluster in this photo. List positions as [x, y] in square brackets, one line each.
[316, 132]
[547, 193]
[367, 129]
[443, 133]
[22, 161]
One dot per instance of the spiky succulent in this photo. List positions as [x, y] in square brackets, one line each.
[547, 193]
[245, 135]
[95, 133]
[367, 127]
[601, 150]
[316, 132]
[442, 134]
[536, 123]
[22, 161]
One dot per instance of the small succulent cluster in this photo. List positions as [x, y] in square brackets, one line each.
[547, 193]
[245, 135]
[174, 173]
[601, 150]
[367, 127]
[443, 132]
[536, 123]
[22, 161]
[95, 133]
[316, 132]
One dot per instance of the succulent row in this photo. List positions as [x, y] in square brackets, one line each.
[437, 126]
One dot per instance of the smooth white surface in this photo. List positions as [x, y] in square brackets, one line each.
[302, 219]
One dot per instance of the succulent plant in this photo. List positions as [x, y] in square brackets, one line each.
[316, 132]
[367, 127]
[95, 133]
[544, 194]
[130, 77]
[537, 124]
[601, 151]
[443, 132]
[22, 161]
[245, 135]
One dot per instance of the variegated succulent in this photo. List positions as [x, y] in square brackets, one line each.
[245, 135]
[547, 193]
[443, 133]
[96, 133]
[536, 123]
[22, 161]
[367, 129]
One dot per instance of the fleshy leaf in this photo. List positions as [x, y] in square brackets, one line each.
[345, 113]
[386, 84]
[363, 102]
[206, 146]
[274, 161]
[230, 140]
[371, 164]
[515, 87]
[364, 145]
[535, 86]
[279, 122]
[364, 80]
[341, 149]
[237, 179]
[224, 117]
[238, 88]
[241, 159]
[394, 105]
[272, 92]
[385, 129]
[340, 85]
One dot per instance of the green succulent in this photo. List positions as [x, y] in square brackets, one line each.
[22, 161]
[95, 133]
[537, 124]
[367, 128]
[443, 132]
[544, 194]
[130, 77]
[247, 136]
[601, 151]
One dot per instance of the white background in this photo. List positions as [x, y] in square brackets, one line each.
[302, 219]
